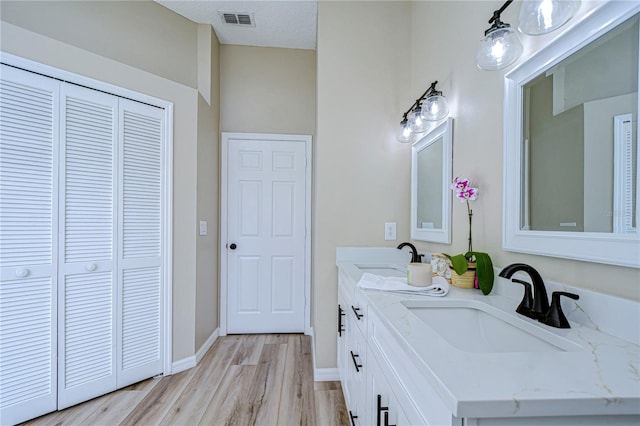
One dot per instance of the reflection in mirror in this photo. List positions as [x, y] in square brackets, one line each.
[430, 185]
[579, 138]
[430, 177]
[571, 143]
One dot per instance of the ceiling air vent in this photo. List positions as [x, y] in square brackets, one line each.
[243, 19]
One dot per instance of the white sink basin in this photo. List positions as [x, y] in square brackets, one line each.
[383, 270]
[473, 326]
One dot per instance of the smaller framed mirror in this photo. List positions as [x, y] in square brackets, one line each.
[431, 168]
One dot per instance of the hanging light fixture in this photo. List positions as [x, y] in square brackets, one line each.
[431, 106]
[543, 16]
[405, 134]
[500, 46]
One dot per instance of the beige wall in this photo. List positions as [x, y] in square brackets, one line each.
[207, 193]
[367, 51]
[117, 64]
[140, 33]
[267, 90]
[361, 172]
[476, 98]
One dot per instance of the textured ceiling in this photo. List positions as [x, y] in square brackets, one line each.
[288, 23]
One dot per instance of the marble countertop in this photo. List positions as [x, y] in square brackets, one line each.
[599, 376]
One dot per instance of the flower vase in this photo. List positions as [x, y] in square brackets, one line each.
[466, 280]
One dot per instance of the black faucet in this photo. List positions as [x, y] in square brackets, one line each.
[415, 257]
[540, 305]
[555, 317]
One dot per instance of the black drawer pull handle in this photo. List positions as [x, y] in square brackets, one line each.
[358, 314]
[353, 417]
[340, 324]
[379, 411]
[353, 357]
[386, 419]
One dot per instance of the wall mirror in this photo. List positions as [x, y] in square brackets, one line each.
[571, 143]
[431, 165]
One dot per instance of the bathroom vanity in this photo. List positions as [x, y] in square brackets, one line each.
[469, 359]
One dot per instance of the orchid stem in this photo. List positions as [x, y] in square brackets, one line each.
[470, 212]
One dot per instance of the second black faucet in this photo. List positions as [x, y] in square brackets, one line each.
[415, 257]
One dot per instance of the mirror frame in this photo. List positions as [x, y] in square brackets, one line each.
[598, 247]
[442, 235]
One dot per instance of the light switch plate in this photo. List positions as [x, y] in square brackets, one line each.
[390, 231]
[203, 227]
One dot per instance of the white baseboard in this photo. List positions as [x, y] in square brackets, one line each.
[207, 345]
[183, 364]
[192, 361]
[326, 375]
[321, 374]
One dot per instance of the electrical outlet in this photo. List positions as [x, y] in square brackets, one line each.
[203, 227]
[390, 231]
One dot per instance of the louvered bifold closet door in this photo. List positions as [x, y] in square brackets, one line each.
[87, 290]
[28, 155]
[141, 235]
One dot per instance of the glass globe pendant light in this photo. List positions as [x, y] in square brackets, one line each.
[405, 135]
[431, 106]
[435, 107]
[500, 46]
[417, 122]
[543, 16]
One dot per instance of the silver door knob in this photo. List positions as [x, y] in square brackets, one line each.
[91, 267]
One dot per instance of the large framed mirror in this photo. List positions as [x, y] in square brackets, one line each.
[571, 143]
[431, 168]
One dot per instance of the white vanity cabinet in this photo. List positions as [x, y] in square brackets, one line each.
[352, 352]
[373, 391]
[415, 400]
[406, 372]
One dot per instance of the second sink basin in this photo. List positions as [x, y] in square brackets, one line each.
[473, 326]
[383, 270]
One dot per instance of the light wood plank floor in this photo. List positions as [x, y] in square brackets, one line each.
[263, 379]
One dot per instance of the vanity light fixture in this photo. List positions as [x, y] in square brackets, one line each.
[431, 106]
[500, 46]
[543, 16]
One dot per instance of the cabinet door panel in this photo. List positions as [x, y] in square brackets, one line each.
[28, 218]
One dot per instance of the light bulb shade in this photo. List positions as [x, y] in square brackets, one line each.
[543, 16]
[417, 122]
[435, 108]
[499, 48]
[405, 135]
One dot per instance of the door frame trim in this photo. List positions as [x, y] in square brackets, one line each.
[223, 275]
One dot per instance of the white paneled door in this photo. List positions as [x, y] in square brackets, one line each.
[266, 226]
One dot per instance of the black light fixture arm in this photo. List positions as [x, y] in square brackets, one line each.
[429, 91]
[496, 13]
[495, 18]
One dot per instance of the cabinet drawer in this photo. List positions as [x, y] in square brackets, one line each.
[357, 365]
[419, 400]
